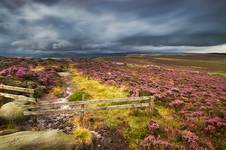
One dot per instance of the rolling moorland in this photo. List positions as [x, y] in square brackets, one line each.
[189, 112]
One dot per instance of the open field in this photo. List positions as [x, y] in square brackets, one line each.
[214, 63]
[189, 112]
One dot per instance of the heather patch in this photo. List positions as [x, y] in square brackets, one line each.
[193, 95]
[46, 76]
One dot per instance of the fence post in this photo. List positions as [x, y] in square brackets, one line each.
[82, 111]
[31, 94]
[151, 105]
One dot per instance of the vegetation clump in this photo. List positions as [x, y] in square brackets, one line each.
[190, 95]
[96, 89]
[82, 135]
[79, 96]
[57, 91]
[46, 77]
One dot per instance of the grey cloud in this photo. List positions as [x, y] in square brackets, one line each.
[89, 25]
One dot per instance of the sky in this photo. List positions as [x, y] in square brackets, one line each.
[112, 26]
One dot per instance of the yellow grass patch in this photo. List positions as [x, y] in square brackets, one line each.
[96, 89]
[132, 123]
[166, 117]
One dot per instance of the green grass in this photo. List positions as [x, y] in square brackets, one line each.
[11, 125]
[210, 62]
[96, 89]
[115, 118]
[166, 117]
[78, 96]
[217, 73]
[137, 128]
[131, 123]
[207, 64]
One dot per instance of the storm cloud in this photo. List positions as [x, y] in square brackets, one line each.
[112, 25]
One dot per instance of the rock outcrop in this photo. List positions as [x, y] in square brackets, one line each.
[37, 140]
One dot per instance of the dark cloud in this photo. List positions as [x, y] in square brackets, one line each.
[177, 40]
[110, 25]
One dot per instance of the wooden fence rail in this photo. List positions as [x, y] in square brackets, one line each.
[116, 100]
[18, 97]
[17, 89]
[82, 106]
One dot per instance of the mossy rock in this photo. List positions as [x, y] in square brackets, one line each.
[12, 111]
[37, 140]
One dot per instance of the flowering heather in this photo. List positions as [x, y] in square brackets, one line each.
[196, 93]
[191, 139]
[153, 127]
[210, 129]
[46, 77]
[21, 72]
[176, 103]
[11, 71]
[150, 142]
[197, 114]
[216, 122]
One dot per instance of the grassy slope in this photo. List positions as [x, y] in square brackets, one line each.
[131, 123]
[96, 89]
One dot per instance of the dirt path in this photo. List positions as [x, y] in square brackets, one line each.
[67, 88]
[103, 138]
[56, 121]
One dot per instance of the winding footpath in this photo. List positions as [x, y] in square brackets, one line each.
[59, 121]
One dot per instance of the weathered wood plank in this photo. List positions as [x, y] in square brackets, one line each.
[18, 97]
[151, 105]
[117, 107]
[17, 89]
[124, 106]
[87, 102]
[131, 99]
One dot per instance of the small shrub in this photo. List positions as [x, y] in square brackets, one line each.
[39, 91]
[216, 122]
[177, 104]
[82, 135]
[62, 68]
[57, 91]
[112, 123]
[78, 96]
[144, 93]
[150, 142]
[191, 139]
[165, 117]
[153, 127]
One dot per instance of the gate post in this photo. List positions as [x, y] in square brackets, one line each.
[82, 111]
[151, 105]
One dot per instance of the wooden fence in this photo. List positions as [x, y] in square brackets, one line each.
[43, 108]
[6, 94]
[85, 106]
